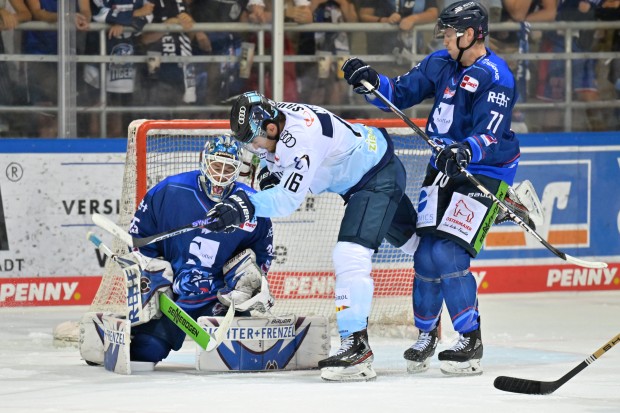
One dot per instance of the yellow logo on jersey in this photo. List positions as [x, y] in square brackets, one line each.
[371, 141]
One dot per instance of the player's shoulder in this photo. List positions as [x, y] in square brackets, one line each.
[240, 186]
[438, 58]
[492, 69]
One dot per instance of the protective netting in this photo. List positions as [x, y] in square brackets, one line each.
[301, 277]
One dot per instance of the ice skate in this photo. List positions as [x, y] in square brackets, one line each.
[352, 361]
[419, 355]
[463, 359]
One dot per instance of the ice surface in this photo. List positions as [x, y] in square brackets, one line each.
[533, 336]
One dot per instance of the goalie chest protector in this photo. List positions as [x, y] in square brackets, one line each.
[261, 343]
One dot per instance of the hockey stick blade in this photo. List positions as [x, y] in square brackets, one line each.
[106, 224]
[175, 313]
[525, 386]
[482, 188]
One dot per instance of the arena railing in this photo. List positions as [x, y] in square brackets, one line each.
[277, 60]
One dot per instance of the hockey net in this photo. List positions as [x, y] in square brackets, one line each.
[301, 277]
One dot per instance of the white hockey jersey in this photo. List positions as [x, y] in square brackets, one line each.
[317, 152]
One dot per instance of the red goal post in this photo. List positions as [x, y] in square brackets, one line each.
[301, 276]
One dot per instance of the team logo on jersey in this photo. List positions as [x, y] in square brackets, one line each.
[469, 83]
[499, 99]
[308, 118]
[287, 139]
[448, 93]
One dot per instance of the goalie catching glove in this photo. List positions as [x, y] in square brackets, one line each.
[229, 214]
[246, 284]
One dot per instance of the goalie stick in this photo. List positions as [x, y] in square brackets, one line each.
[175, 313]
[106, 224]
[524, 386]
[515, 218]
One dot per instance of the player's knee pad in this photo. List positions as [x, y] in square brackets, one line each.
[449, 257]
[354, 286]
[352, 258]
[423, 261]
[145, 347]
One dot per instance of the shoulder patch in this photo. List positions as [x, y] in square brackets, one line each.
[469, 83]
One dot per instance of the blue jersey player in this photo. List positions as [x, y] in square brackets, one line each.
[201, 283]
[308, 149]
[474, 94]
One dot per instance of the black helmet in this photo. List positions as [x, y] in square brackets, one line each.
[462, 15]
[250, 114]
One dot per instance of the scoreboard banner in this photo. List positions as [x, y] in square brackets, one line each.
[50, 188]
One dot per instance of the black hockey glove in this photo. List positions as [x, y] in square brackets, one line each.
[267, 179]
[230, 213]
[355, 70]
[452, 157]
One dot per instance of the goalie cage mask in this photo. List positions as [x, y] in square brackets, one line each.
[220, 164]
[462, 15]
[250, 115]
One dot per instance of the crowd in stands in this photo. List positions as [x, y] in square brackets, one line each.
[167, 85]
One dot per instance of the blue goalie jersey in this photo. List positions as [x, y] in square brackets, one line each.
[471, 104]
[197, 257]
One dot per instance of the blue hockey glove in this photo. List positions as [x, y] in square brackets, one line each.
[267, 179]
[355, 70]
[452, 157]
[230, 213]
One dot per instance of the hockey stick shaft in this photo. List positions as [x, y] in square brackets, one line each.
[437, 148]
[525, 386]
[175, 313]
[106, 224]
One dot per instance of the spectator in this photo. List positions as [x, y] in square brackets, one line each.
[323, 83]
[300, 12]
[121, 77]
[510, 42]
[405, 14]
[217, 82]
[41, 77]
[8, 22]
[610, 10]
[551, 82]
[169, 84]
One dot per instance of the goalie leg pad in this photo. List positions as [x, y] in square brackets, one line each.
[116, 340]
[91, 337]
[262, 343]
[144, 284]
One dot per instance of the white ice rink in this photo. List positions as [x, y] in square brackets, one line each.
[534, 336]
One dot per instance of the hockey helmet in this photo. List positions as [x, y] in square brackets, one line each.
[462, 15]
[250, 115]
[220, 164]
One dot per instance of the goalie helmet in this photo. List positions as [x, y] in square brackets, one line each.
[462, 15]
[250, 115]
[220, 164]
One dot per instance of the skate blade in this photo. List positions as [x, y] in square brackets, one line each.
[467, 368]
[416, 367]
[359, 372]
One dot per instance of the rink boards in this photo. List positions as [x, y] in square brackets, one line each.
[49, 189]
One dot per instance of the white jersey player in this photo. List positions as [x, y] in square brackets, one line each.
[306, 148]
